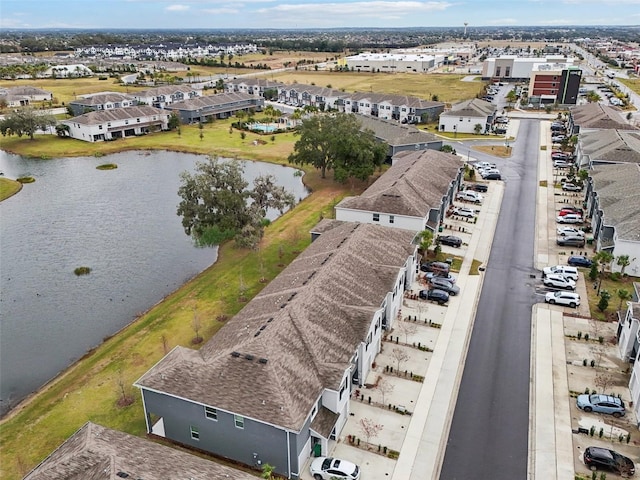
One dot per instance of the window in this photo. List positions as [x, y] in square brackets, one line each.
[99, 127]
[392, 218]
[211, 413]
[239, 421]
[376, 217]
[342, 388]
[195, 433]
[138, 120]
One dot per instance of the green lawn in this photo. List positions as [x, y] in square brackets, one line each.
[8, 188]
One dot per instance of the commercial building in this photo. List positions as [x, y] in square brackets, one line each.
[554, 83]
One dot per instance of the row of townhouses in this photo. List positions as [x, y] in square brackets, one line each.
[273, 385]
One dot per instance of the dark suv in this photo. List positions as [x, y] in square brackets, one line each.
[435, 295]
[438, 267]
[450, 240]
[478, 187]
[597, 458]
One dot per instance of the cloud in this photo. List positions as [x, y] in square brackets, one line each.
[177, 8]
[381, 8]
[221, 11]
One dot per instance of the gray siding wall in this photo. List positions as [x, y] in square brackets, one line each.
[222, 437]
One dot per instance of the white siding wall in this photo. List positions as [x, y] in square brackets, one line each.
[399, 221]
[624, 247]
[466, 125]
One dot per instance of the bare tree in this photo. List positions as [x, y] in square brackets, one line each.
[125, 399]
[242, 289]
[385, 387]
[369, 428]
[195, 323]
[165, 344]
[400, 356]
[603, 381]
[407, 328]
[598, 352]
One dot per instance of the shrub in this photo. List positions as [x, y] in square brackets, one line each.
[82, 271]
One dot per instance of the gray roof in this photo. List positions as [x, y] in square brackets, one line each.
[98, 453]
[102, 98]
[394, 133]
[615, 146]
[103, 116]
[394, 99]
[415, 184]
[26, 90]
[220, 99]
[471, 108]
[256, 82]
[165, 90]
[272, 361]
[619, 197]
[599, 116]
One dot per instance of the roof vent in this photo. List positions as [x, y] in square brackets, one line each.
[263, 327]
[122, 474]
[292, 296]
[249, 357]
[235, 354]
[262, 361]
[270, 320]
[257, 333]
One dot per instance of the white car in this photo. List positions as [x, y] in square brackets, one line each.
[560, 297]
[488, 171]
[464, 212]
[572, 231]
[325, 468]
[485, 165]
[569, 218]
[559, 281]
[571, 187]
[566, 271]
[469, 196]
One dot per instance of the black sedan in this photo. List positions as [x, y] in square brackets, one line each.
[449, 240]
[579, 261]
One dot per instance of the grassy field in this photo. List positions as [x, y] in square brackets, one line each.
[632, 83]
[90, 389]
[8, 188]
[448, 88]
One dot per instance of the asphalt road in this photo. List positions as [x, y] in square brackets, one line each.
[489, 431]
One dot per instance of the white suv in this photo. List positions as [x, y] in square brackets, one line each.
[564, 270]
[559, 281]
[560, 297]
[469, 196]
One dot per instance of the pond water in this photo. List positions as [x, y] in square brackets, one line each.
[122, 224]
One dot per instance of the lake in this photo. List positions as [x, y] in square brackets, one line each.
[122, 224]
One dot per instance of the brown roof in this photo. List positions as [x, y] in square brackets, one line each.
[98, 453]
[597, 115]
[471, 108]
[273, 360]
[324, 422]
[102, 98]
[413, 186]
[615, 146]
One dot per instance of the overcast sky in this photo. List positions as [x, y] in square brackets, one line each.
[216, 14]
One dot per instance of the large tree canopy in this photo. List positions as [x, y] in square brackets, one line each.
[336, 142]
[26, 121]
[218, 205]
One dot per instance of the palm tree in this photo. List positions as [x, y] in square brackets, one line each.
[623, 261]
[604, 258]
[623, 295]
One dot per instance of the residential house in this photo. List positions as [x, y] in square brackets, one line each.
[22, 96]
[399, 137]
[96, 452]
[68, 71]
[222, 105]
[117, 123]
[596, 116]
[600, 147]
[101, 101]
[301, 95]
[628, 347]
[275, 381]
[613, 203]
[464, 116]
[160, 97]
[414, 194]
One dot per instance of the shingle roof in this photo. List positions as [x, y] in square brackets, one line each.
[27, 90]
[394, 133]
[104, 116]
[272, 361]
[415, 184]
[619, 197]
[394, 99]
[597, 115]
[165, 90]
[98, 453]
[471, 108]
[617, 146]
[102, 98]
[197, 103]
